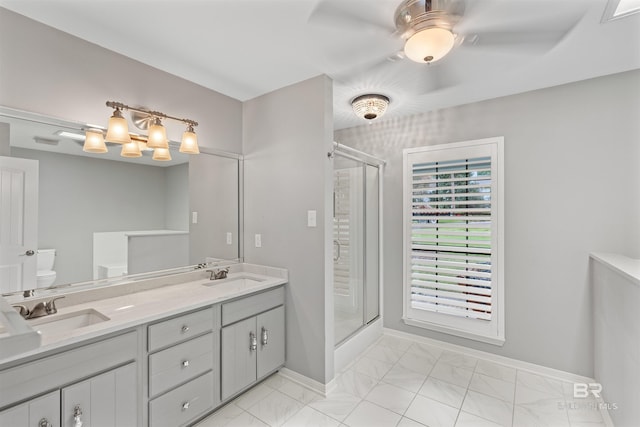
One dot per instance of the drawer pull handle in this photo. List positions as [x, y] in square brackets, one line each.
[185, 406]
[265, 336]
[185, 363]
[77, 416]
[185, 329]
[253, 342]
[44, 423]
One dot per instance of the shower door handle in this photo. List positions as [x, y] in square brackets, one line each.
[337, 257]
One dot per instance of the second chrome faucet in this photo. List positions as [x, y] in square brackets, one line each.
[218, 274]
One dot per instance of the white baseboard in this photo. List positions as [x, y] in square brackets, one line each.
[514, 363]
[307, 382]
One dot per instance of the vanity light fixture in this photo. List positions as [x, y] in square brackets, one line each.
[94, 142]
[161, 154]
[157, 135]
[118, 133]
[370, 107]
[118, 130]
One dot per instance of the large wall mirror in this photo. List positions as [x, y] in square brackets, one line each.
[102, 216]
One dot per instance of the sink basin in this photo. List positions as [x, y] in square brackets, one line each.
[64, 322]
[237, 281]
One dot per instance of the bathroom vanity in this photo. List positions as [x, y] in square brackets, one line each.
[160, 352]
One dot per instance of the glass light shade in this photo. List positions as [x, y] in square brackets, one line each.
[143, 146]
[118, 130]
[189, 144]
[131, 149]
[94, 142]
[157, 136]
[370, 107]
[161, 154]
[429, 45]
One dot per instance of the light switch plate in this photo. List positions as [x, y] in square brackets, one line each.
[258, 240]
[194, 217]
[311, 219]
[229, 238]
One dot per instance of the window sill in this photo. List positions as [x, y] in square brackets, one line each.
[494, 340]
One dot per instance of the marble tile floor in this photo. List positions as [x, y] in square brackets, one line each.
[398, 382]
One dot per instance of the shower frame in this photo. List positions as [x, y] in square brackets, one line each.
[366, 160]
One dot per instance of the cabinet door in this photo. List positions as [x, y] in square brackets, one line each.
[238, 356]
[108, 399]
[270, 341]
[30, 414]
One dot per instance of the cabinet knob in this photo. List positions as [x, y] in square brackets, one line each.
[44, 423]
[184, 329]
[185, 363]
[185, 406]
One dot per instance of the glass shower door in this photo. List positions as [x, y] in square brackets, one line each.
[355, 245]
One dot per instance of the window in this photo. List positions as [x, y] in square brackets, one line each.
[453, 239]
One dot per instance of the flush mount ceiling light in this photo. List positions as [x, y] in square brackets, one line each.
[427, 26]
[132, 146]
[370, 107]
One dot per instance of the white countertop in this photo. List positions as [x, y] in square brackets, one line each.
[624, 265]
[139, 303]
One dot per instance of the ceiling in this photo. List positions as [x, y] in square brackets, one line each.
[245, 48]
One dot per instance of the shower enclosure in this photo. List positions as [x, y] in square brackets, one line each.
[356, 246]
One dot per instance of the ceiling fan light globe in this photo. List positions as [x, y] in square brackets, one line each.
[429, 45]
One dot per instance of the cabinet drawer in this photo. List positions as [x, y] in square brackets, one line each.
[180, 363]
[180, 328]
[183, 404]
[250, 306]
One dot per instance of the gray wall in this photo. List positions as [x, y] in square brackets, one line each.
[287, 134]
[81, 195]
[572, 184]
[177, 197]
[53, 73]
[5, 147]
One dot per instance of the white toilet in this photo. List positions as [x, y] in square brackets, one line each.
[45, 276]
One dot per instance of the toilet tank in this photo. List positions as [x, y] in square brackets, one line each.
[45, 259]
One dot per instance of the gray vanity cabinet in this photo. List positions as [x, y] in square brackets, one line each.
[108, 399]
[252, 340]
[43, 411]
[183, 368]
[100, 379]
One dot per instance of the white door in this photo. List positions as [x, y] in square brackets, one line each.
[18, 223]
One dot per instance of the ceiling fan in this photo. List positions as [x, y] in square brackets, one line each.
[431, 30]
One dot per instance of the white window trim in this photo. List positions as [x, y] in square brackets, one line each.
[442, 322]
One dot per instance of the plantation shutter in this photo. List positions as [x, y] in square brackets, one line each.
[451, 235]
[342, 233]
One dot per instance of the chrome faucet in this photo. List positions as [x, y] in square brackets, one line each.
[39, 310]
[218, 274]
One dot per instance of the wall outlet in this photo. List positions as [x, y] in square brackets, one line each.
[229, 238]
[194, 217]
[311, 218]
[258, 240]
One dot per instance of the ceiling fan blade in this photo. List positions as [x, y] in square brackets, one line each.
[348, 15]
[369, 72]
[524, 25]
[436, 77]
[509, 41]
